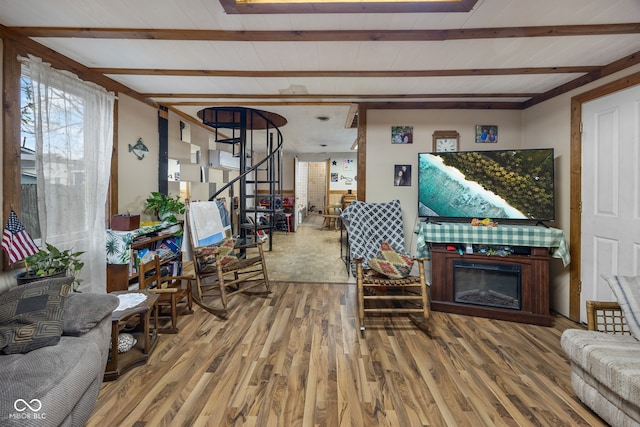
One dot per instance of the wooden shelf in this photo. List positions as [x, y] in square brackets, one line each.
[142, 242]
[119, 276]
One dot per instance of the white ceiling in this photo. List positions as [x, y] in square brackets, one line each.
[200, 62]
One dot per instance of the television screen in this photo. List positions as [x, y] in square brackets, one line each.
[503, 184]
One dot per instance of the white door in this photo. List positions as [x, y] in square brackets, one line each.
[610, 192]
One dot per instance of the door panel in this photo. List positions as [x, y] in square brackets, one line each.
[610, 192]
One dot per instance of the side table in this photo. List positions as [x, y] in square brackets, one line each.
[145, 334]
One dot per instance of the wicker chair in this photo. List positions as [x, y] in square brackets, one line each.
[606, 316]
[368, 225]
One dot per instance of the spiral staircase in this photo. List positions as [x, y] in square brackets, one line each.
[255, 138]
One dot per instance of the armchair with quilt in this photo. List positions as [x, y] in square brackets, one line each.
[223, 267]
[381, 265]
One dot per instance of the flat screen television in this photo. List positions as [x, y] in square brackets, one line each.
[499, 184]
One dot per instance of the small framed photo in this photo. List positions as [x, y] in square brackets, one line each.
[486, 133]
[402, 134]
[402, 175]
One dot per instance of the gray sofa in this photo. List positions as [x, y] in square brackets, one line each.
[605, 374]
[52, 380]
[605, 367]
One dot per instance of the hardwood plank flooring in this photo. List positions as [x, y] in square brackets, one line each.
[297, 358]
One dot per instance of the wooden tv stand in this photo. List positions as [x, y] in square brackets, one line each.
[534, 279]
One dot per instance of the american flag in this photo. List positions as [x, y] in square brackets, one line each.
[16, 241]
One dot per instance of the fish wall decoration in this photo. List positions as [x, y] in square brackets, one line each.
[139, 150]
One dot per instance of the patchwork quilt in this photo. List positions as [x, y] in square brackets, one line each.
[369, 224]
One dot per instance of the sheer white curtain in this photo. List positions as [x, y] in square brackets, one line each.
[74, 139]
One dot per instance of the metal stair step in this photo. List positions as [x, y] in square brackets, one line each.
[229, 140]
[248, 226]
[261, 181]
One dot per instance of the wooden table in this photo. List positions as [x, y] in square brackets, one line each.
[138, 319]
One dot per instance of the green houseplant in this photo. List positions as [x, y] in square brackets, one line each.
[164, 206]
[51, 262]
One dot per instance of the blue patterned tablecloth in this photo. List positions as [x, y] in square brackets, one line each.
[119, 242]
[508, 235]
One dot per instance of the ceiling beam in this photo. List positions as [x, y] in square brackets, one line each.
[336, 35]
[614, 67]
[257, 103]
[348, 73]
[25, 46]
[337, 96]
[443, 105]
[393, 6]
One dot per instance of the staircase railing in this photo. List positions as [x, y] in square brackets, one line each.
[246, 121]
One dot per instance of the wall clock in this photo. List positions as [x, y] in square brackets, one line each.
[446, 140]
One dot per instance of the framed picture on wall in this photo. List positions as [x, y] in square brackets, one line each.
[402, 134]
[486, 133]
[402, 175]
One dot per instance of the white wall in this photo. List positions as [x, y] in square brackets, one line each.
[546, 125]
[549, 124]
[382, 155]
[288, 171]
[136, 178]
[346, 171]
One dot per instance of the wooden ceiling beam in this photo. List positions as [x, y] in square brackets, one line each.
[443, 105]
[256, 103]
[614, 67]
[266, 7]
[25, 46]
[336, 35]
[337, 96]
[348, 73]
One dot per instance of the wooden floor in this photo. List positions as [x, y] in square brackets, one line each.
[296, 358]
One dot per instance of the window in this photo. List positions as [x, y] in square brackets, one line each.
[28, 186]
[66, 144]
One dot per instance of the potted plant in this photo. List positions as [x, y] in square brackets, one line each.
[164, 206]
[51, 262]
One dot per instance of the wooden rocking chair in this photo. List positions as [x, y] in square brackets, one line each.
[172, 290]
[372, 226]
[225, 268]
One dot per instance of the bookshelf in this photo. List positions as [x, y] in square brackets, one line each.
[125, 249]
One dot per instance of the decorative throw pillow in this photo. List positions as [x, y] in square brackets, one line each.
[206, 255]
[390, 263]
[126, 341]
[31, 315]
[83, 311]
[627, 292]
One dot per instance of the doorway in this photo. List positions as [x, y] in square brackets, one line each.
[317, 186]
[610, 183]
[577, 170]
